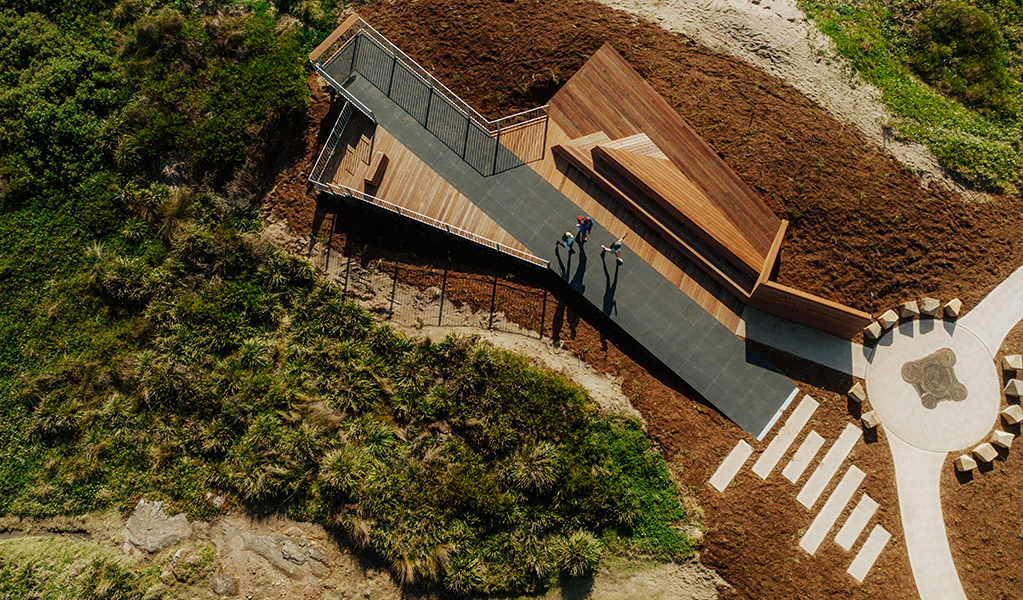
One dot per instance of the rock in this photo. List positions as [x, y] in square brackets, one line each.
[1014, 388]
[150, 530]
[857, 394]
[985, 453]
[292, 552]
[953, 308]
[223, 584]
[1012, 362]
[1013, 414]
[1001, 439]
[873, 331]
[929, 306]
[908, 310]
[870, 420]
[965, 463]
[889, 318]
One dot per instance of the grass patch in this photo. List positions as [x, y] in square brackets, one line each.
[979, 141]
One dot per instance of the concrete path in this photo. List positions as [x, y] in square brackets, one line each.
[917, 478]
[998, 313]
[804, 342]
[653, 311]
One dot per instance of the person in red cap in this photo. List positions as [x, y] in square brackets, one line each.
[585, 225]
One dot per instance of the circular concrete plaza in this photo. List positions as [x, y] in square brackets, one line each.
[915, 380]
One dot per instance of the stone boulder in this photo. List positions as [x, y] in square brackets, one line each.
[1012, 362]
[929, 306]
[1001, 439]
[889, 318]
[985, 453]
[857, 394]
[1013, 414]
[909, 310]
[150, 530]
[872, 331]
[224, 584]
[870, 420]
[954, 308]
[965, 463]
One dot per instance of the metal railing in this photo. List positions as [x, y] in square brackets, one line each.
[335, 136]
[343, 190]
[362, 49]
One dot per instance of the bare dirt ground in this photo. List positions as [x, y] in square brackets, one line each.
[863, 232]
[774, 36]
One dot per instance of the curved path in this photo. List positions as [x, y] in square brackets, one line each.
[935, 386]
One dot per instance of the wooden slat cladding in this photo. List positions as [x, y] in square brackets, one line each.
[608, 95]
[685, 201]
[807, 309]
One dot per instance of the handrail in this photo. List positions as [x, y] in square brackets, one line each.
[335, 136]
[354, 25]
[343, 190]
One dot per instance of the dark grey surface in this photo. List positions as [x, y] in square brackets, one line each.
[669, 324]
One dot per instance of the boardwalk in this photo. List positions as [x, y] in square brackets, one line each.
[636, 296]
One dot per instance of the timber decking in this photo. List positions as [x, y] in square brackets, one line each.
[407, 181]
[636, 297]
[607, 95]
[569, 168]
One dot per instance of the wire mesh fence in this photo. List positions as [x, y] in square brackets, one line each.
[422, 296]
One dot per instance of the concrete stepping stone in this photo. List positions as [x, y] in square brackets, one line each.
[889, 318]
[965, 463]
[868, 553]
[832, 509]
[1014, 388]
[828, 466]
[870, 420]
[1013, 414]
[857, 394]
[1012, 362]
[872, 331]
[985, 453]
[929, 306]
[909, 310]
[953, 308]
[807, 451]
[781, 442]
[731, 465]
[1001, 438]
[854, 525]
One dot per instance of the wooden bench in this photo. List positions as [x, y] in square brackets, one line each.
[376, 169]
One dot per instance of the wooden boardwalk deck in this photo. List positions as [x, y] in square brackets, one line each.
[607, 95]
[642, 240]
[407, 181]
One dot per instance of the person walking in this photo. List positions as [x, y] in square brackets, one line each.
[566, 241]
[616, 248]
[585, 225]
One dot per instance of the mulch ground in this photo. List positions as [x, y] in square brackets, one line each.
[862, 232]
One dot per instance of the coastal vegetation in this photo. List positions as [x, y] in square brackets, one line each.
[151, 344]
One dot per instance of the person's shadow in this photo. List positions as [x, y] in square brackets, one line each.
[563, 266]
[580, 271]
[610, 286]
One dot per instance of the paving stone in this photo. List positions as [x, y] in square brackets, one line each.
[873, 331]
[985, 453]
[870, 420]
[929, 306]
[857, 394]
[1012, 362]
[953, 308]
[908, 310]
[1014, 388]
[965, 463]
[1013, 414]
[1001, 439]
[889, 318]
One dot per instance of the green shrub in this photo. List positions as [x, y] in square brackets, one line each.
[959, 50]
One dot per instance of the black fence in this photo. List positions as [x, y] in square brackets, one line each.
[488, 146]
[418, 296]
